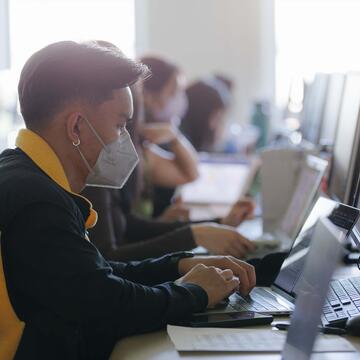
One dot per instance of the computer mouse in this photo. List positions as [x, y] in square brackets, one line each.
[353, 326]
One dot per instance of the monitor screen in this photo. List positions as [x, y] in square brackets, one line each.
[218, 183]
[314, 108]
[332, 108]
[355, 234]
[346, 140]
[339, 214]
[306, 188]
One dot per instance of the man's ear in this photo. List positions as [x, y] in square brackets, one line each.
[73, 120]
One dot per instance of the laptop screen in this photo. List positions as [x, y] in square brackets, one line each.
[312, 289]
[218, 183]
[341, 215]
[308, 184]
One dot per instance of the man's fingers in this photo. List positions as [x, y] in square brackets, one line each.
[239, 271]
[244, 286]
[250, 271]
[251, 276]
[232, 284]
[245, 272]
[198, 267]
[226, 274]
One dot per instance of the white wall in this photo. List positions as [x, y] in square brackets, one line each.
[234, 37]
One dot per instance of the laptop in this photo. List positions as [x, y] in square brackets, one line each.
[219, 183]
[326, 243]
[279, 299]
[282, 234]
[312, 288]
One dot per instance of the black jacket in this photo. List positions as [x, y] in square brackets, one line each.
[75, 303]
[122, 235]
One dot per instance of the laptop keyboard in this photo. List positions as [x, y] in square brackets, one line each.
[259, 300]
[343, 301]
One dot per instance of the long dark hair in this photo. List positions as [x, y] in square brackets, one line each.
[204, 97]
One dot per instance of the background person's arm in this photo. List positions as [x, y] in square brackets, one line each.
[175, 167]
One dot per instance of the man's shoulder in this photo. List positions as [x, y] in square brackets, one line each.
[22, 183]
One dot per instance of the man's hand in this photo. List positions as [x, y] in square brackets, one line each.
[217, 283]
[221, 239]
[242, 210]
[159, 133]
[240, 269]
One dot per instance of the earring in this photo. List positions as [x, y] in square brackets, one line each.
[76, 144]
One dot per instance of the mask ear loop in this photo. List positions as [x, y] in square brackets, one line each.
[76, 144]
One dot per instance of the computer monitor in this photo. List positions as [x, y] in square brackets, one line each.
[346, 144]
[355, 234]
[218, 183]
[314, 102]
[332, 109]
[304, 196]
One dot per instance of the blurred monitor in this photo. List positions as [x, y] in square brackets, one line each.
[314, 101]
[332, 109]
[346, 146]
[355, 233]
[218, 183]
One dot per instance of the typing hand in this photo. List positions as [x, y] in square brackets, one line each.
[221, 240]
[243, 271]
[217, 283]
[242, 210]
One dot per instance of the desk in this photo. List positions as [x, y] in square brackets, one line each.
[157, 345]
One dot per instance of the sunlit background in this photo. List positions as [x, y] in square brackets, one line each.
[268, 47]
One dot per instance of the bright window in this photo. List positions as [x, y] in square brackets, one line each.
[36, 23]
[314, 36]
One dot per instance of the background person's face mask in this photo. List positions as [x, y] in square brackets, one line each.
[174, 110]
[115, 163]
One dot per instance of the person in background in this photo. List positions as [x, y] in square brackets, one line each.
[165, 104]
[205, 117]
[60, 297]
[121, 234]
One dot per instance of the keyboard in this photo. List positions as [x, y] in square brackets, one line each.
[260, 300]
[342, 303]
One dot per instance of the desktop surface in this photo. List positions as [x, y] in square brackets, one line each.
[157, 345]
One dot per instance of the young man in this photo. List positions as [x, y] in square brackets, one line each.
[60, 299]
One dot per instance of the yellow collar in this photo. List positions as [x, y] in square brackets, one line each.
[44, 156]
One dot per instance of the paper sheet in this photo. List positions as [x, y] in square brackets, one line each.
[245, 340]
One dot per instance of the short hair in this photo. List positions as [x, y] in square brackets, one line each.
[161, 72]
[67, 71]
